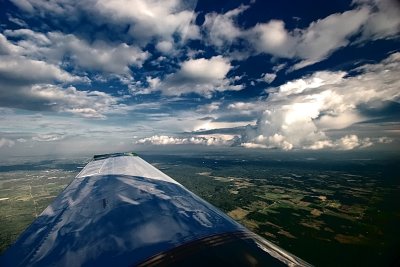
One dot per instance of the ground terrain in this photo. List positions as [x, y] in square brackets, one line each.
[329, 212]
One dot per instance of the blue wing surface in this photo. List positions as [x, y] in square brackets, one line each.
[122, 211]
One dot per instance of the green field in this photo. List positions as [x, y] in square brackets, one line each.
[329, 214]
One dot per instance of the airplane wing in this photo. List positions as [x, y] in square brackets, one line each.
[122, 211]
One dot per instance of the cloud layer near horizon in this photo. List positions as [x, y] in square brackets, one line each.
[300, 113]
[201, 75]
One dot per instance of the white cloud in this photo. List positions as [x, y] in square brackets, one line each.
[147, 19]
[48, 137]
[21, 70]
[300, 113]
[212, 125]
[159, 19]
[17, 21]
[57, 7]
[242, 106]
[101, 56]
[7, 47]
[5, 142]
[202, 76]
[214, 68]
[350, 142]
[23, 4]
[269, 77]
[321, 144]
[28, 38]
[208, 108]
[324, 36]
[88, 104]
[314, 81]
[272, 38]
[53, 46]
[370, 19]
[385, 140]
[169, 140]
[347, 142]
[139, 88]
[279, 67]
[32, 84]
[153, 82]
[384, 22]
[221, 29]
[165, 47]
[253, 145]
[339, 120]
[312, 44]
[274, 141]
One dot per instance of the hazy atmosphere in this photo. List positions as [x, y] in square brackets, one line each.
[282, 114]
[91, 76]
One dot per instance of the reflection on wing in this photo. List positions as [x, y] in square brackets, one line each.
[122, 211]
[228, 249]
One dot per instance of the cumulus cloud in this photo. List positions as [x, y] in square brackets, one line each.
[165, 47]
[30, 83]
[301, 112]
[312, 44]
[268, 77]
[243, 106]
[101, 56]
[41, 71]
[370, 19]
[384, 22]
[273, 141]
[152, 19]
[55, 46]
[385, 140]
[51, 137]
[198, 140]
[203, 69]
[272, 38]
[57, 7]
[202, 76]
[17, 21]
[88, 104]
[212, 124]
[347, 142]
[147, 19]
[352, 141]
[222, 29]
[253, 145]
[324, 36]
[20, 70]
[5, 142]
[7, 47]
[208, 108]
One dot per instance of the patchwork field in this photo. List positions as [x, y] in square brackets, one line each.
[329, 213]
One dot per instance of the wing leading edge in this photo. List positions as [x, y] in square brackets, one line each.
[122, 211]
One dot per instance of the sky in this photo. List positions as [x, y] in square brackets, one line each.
[116, 75]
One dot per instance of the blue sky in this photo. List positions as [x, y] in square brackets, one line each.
[82, 76]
